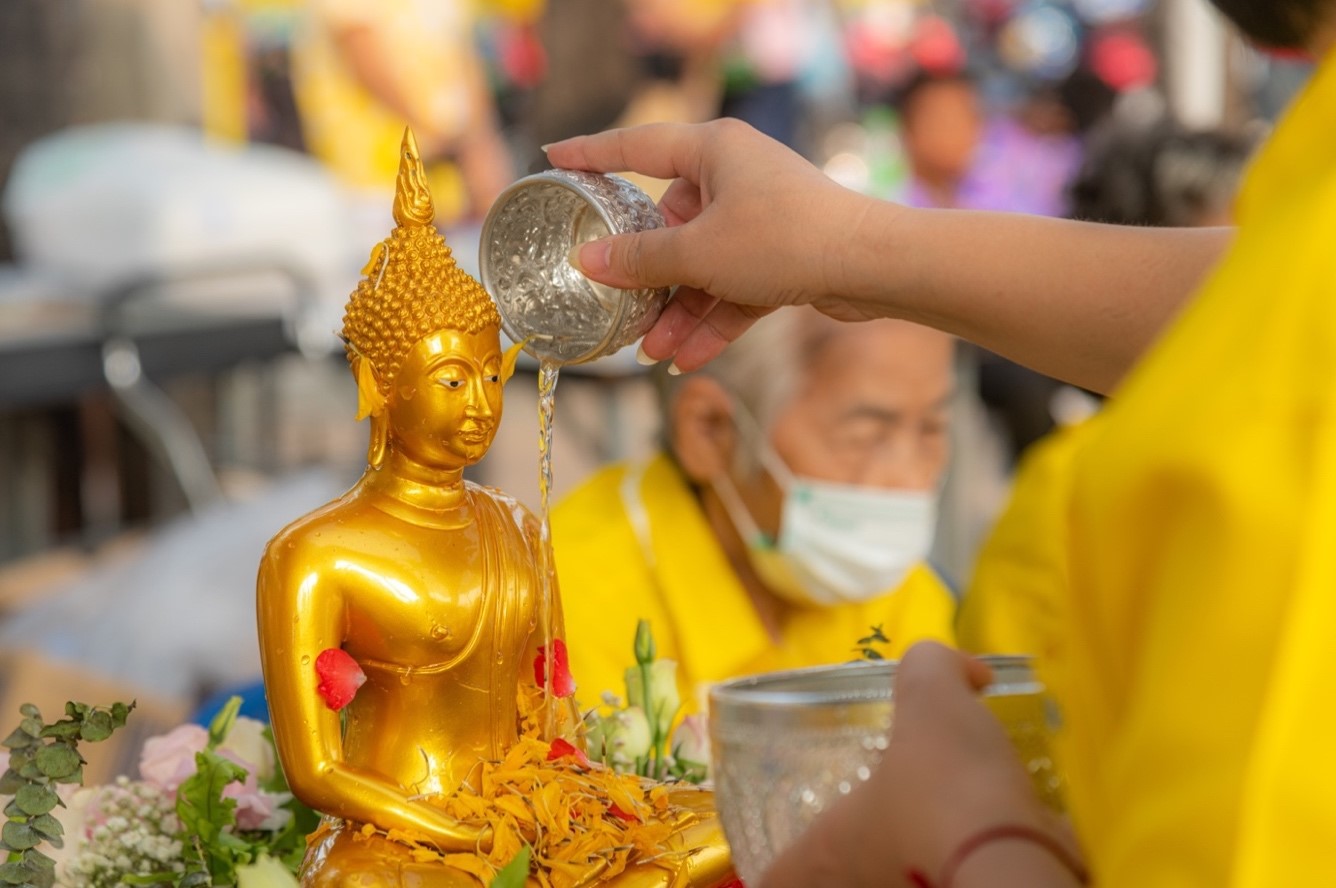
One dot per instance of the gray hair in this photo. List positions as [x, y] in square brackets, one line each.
[762, 371]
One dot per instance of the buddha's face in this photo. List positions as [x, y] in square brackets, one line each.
[446, 401]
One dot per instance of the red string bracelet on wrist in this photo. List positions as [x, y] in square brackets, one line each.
[918, 879]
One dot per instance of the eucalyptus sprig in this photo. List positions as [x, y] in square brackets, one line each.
[41, 756]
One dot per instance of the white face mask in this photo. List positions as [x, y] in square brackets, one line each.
[838, 543]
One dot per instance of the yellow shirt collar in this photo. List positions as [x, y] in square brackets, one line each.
[723, 634]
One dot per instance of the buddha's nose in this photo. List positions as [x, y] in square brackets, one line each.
[479, 407]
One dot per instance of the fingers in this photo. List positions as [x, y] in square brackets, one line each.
[934, 678]
[695, 327]
[630, 261]
[661, 150]
[681, 202]
[930, 661]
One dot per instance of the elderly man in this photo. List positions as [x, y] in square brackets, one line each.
[792, 512]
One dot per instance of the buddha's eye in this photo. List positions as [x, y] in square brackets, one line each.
[452, 383]
[495, 377]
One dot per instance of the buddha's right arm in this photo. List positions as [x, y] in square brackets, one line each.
[334, 788]
[300, 616]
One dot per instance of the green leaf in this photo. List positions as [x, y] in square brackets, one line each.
[19, 836]
[37, 860]
[49, 827]
[207, 817]
[28, 710]
[13, 810]
[76, 777]
[515, 873]
[31, 726]
[196, 879]
[57, 760]
[34, 799]
[97, 726]
[11, 782]
[76, 710]
[121, 711]
[17, 739]
[65, 729]
[16, 872]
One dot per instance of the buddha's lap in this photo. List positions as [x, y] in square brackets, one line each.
[345, 858]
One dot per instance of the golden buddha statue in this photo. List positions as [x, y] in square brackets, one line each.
[452, 755]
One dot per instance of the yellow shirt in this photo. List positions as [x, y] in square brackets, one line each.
[347, 127]
[1200, 686]
[1014, 602]
[699, 612]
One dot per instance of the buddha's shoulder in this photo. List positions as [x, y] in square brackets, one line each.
[338, 522]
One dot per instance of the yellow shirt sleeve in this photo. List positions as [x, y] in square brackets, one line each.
[1014, 601]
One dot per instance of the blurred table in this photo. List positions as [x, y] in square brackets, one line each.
[53, 355]
[78, 372]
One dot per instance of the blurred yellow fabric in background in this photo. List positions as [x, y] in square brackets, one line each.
[1200, 680]
[352, 130]
[698, 610]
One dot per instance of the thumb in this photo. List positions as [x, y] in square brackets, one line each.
[630, 261]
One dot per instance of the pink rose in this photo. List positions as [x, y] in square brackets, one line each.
[257, 809]
[169, 759]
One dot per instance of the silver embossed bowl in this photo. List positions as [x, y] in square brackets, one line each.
[526, 238]
[785, 745]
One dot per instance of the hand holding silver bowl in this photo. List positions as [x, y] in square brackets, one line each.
[526, 239]
[788, 744]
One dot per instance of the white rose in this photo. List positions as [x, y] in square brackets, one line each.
[248, 743]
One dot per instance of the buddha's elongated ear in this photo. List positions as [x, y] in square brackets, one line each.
[510, 359]
[378, 446]
[370, 401]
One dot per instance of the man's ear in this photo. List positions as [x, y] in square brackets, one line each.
[704, 436]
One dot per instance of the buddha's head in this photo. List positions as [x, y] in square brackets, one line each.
[423, 340]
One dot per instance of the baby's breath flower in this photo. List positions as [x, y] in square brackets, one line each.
[133, 835]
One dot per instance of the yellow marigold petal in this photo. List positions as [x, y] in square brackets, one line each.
[506, 842]
[471, 864]
[517, 807]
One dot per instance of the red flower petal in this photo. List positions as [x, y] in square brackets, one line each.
[563, 683]
[734, 882]
[563, 749]
[622, 815]
[340, 677]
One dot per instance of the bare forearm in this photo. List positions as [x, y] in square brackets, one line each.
[1076, 300]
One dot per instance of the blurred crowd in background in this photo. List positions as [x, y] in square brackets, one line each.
[142, 138]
